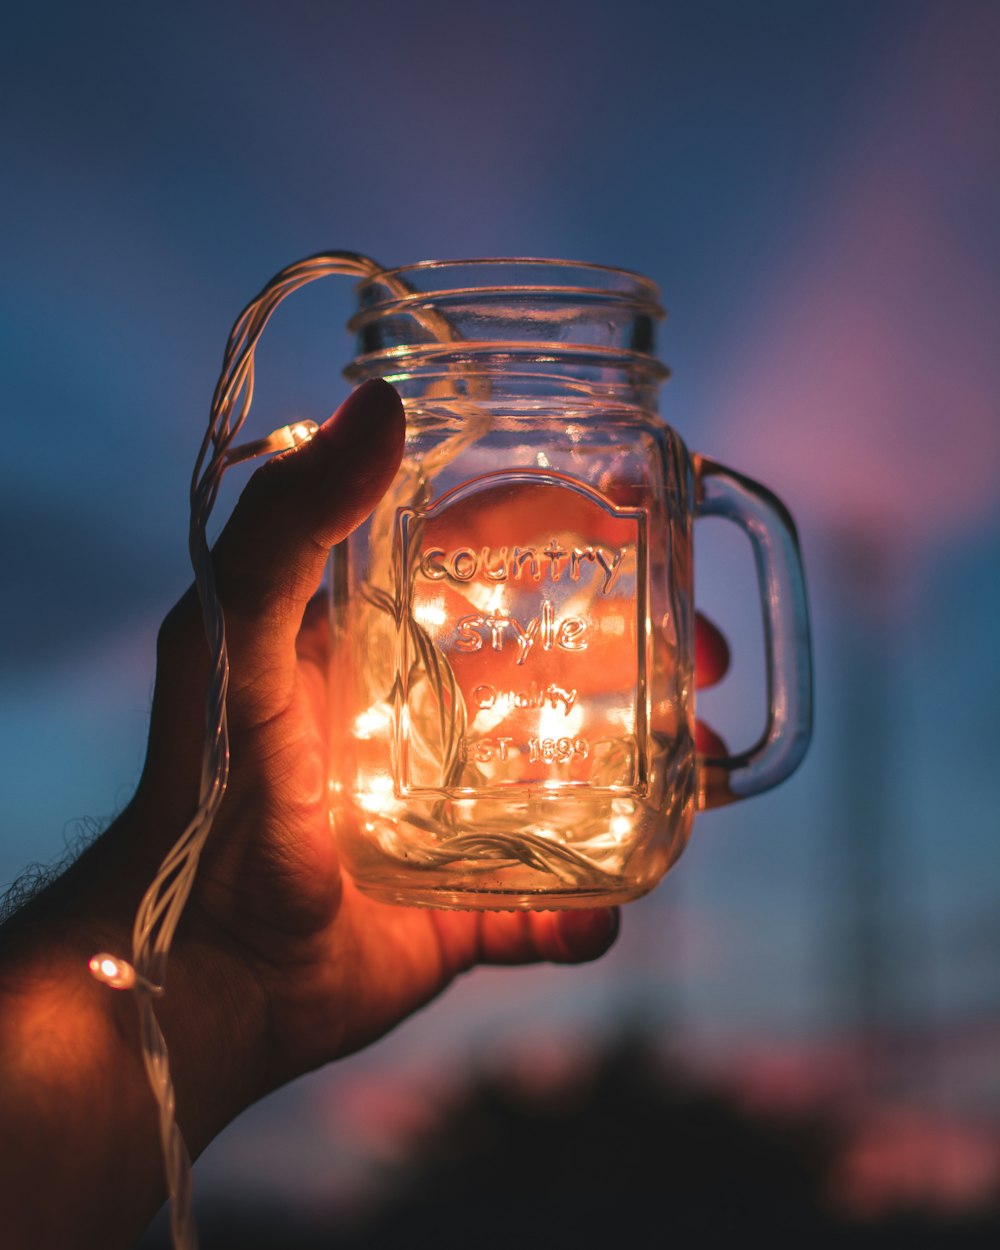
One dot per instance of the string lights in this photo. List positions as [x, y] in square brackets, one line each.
[160, 910]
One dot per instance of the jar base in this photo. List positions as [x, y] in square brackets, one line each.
[450, 899]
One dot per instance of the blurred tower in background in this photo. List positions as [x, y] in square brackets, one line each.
[868, 399]
[862, 942]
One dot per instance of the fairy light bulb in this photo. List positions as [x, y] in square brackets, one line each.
[301, 431]
[284, 438]
[118, 973]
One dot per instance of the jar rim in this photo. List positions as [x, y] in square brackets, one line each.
[635, 283]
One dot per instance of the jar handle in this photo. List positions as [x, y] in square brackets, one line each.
[765, 519]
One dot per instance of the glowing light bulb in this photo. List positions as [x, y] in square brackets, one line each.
[430, 613]
[378, 796]
[558, 722]
[282, 439]
[117, 973]
[621, 827]
[301, 432]
[372, 721]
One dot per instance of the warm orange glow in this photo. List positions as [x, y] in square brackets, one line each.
[621, 826]
[302, 432]
[117, 973]
[378, 796]
[373, 720]
[284, 438]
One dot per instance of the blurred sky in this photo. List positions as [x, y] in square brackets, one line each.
[816, 188]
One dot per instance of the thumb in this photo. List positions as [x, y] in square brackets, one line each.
[269, 559]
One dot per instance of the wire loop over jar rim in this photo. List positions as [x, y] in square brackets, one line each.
[505, 315]
[440, 283]
[630, 278]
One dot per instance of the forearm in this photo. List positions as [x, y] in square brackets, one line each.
[82, 1163]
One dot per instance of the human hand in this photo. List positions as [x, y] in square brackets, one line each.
[313, 968]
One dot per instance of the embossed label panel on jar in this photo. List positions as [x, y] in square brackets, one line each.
[521, 660]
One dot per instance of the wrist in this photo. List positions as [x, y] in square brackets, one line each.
[71, 1046]
[72, 1102]
[212, 1010]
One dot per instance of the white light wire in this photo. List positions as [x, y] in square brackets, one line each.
[160, 910]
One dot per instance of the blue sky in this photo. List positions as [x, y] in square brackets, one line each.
[814, 186]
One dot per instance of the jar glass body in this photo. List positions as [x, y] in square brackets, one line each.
[512, 693]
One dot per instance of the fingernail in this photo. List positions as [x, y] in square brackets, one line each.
[588, 933]
[373, 402]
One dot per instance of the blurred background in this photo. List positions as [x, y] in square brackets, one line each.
[798, 1033]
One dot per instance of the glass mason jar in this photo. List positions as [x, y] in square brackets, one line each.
[513, 686]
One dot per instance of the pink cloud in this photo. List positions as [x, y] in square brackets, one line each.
[870, 391]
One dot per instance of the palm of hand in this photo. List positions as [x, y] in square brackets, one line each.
[335, 968]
